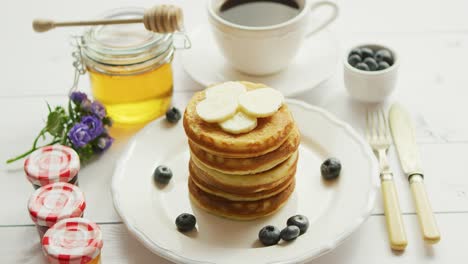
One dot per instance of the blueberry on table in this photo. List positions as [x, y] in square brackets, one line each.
[290, 233]
[330, 169]
[383, 65]
[384, 55]
[356, 51]
[371, 63]
[362, 66]
[367, 52]
[162, 174]
[269, 235]
[354, 59]
[300, 221]
[173, 115]
[185, 222]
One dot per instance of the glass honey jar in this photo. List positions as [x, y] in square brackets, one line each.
[130, 68]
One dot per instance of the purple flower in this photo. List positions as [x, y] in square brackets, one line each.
[94, 124]
[104, 143]
[86, 105]
[78, 97]
[79, 135]
[98, 109]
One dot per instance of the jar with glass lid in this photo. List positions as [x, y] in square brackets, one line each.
[130, 68]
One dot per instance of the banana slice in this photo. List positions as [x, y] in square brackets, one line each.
[261, 102]
[239, 123]
[227, 89]
[217, 109]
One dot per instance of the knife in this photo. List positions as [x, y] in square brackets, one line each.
[404, 138]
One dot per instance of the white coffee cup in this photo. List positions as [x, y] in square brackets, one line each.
[269, 49]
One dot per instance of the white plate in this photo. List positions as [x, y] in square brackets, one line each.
[315, 62]
[335, 210]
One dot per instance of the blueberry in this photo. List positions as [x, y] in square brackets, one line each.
[173, 115]
[185, 222]
[383, 65]
[362, 66]
[300, 221]
[384, 55]
[290, 233]
[356, 51]
[162, 174]
[269, 235]
[371, 63]
[330, 169]
[367, 52]
[354, 59]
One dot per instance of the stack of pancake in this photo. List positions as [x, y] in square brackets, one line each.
[241, 176]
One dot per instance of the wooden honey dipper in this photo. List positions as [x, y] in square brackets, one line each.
[159, 19]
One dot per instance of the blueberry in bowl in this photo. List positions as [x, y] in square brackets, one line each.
[370, 72]
[371, 56]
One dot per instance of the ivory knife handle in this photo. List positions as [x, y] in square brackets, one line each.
[423, 208]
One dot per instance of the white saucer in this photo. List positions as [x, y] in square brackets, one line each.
[335, 210]
[315, 62]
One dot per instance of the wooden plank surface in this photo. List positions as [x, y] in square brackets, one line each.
[368, 245]
[448, 189]
[431, 37]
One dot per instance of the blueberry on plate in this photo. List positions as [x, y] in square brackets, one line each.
[269, 235]
[362, 66]
[173, 115]
[330, 169]
[162, 174]
[300, 221]
[383, 65]
[290, 233]
[384, 55]
[367, 52]
[371, 63]
[185, 222]
[356, 51]
[354, 59]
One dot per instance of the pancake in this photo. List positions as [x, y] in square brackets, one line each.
[238, 210]
[270, 133]
[253, 196]
[245, 184]
[248, 165]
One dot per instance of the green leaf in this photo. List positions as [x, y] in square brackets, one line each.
[56, 122]
[85, 153]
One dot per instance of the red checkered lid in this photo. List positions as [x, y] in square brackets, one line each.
[72, 241]
[54, 202]
[51, 164]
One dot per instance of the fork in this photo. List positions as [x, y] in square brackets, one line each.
[378, 135]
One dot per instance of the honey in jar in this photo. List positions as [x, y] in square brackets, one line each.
[130, 68]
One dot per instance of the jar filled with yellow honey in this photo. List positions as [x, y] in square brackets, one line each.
[129, 68]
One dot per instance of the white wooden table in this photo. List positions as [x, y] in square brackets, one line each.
[431, 37]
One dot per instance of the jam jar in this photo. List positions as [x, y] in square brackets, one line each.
[73, 240]
[130, 68]
[51, 164]
[54, 202]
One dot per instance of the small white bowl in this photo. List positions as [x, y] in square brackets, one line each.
[371, 86]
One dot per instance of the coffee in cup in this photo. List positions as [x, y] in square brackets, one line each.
[260, 37]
